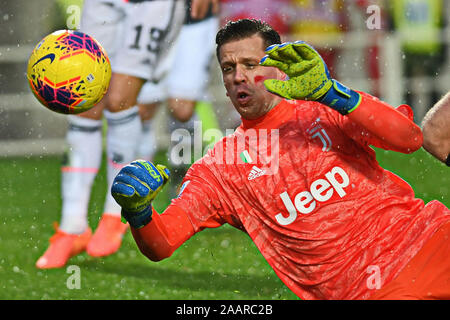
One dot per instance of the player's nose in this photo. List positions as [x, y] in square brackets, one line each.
[239, 75]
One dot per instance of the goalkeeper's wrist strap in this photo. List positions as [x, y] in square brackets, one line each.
[138, 219]
[447, 162]
[341, 98]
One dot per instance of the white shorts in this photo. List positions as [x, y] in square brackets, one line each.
[102, 20]
[136, 36]
[189, 65]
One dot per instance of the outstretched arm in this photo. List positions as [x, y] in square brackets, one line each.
[309, 79]
[392, 127]
[134, 189]
[436, 130]
[159, 235]
[164, 234]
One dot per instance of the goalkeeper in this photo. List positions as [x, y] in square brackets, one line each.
[327, 218]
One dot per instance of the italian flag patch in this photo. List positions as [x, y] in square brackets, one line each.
[245, 157]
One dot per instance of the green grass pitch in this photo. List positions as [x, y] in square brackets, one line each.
[219, 263]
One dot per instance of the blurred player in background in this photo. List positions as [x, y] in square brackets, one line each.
[183, 87]
[320, 23]
[137, 36]
[376, 34]
[436, 130]
[310, 193]
[419, 24]
[275, 13]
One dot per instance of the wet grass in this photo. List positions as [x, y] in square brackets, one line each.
[219, 263]
[215, 264]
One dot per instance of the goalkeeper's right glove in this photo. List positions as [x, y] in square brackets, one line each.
[134, 189]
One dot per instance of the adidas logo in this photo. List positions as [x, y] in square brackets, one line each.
[255, 173]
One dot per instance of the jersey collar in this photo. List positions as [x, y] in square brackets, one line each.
[279, 114]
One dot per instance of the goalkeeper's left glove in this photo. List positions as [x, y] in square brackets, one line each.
[309, 78]
[135, 187]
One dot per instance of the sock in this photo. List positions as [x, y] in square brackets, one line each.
[124, 130]
[147, 143]
[83, 158]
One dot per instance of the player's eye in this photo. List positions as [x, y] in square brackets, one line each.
[227, 69]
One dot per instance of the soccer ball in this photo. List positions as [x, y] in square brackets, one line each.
[69, 72]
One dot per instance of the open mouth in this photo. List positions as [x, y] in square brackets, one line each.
[243, 97]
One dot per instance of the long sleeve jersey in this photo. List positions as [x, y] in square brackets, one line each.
[305, 185]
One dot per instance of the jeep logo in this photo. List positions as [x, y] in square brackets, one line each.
[320, 190]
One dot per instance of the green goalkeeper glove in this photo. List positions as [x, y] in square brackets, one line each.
[309, 78]
[135, 187]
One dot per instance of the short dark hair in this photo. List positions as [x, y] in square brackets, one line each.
[245, 28]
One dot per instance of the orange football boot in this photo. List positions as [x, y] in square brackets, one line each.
[62, 247]
[107, 239]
